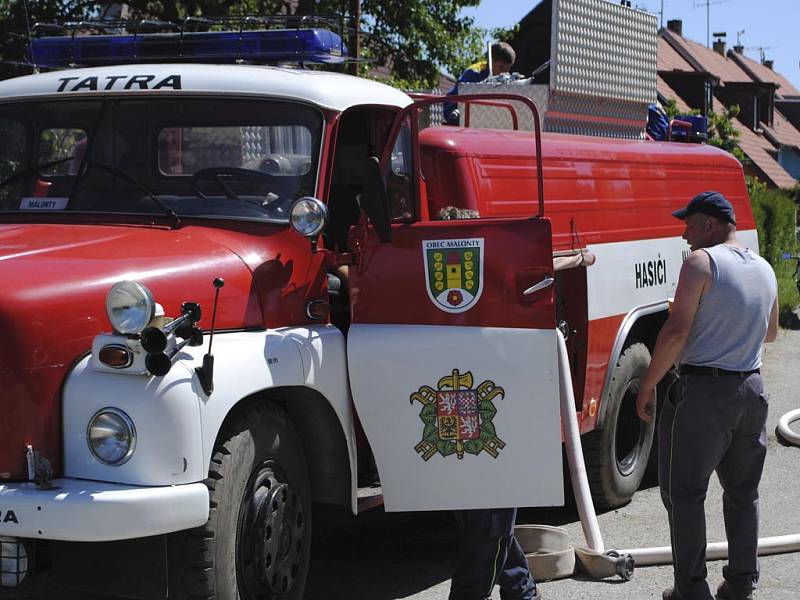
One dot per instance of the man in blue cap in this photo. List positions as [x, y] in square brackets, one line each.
[725, 308]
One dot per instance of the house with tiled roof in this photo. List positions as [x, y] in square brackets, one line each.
[784, 132]
[708, 79]
[674, 70]
[764, 72]
[705, 80]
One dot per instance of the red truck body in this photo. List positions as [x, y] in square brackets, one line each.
[395, 332]
[597, 191]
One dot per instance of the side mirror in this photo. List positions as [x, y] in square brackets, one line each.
[308, 217]
[374, 200]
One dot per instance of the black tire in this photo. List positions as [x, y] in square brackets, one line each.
[257, 541]
[617, 455]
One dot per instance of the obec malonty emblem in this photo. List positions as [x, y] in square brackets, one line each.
[453, 272]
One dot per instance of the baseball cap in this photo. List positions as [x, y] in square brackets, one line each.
[712, 204]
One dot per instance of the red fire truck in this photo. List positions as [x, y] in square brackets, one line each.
[230, 287]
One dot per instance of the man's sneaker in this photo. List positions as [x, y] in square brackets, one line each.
[726, 592]
[671, 594]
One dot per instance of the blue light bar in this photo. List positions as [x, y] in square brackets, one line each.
[251, 46]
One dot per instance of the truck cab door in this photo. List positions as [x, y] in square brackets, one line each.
[452, 353]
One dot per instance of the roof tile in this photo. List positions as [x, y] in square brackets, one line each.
[763, 73]
[716, 64]
[669, 59]
[783, 131]
[756, 148]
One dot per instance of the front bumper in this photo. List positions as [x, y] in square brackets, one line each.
[91, 511]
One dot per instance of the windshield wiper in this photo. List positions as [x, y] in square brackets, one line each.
[22, 173]
[174, 218]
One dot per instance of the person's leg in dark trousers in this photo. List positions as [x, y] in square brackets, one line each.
[516, 580]
[490, 554]
[740, 473]
[693, 438]
[475, 572]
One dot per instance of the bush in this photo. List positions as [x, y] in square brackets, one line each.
[776, 219]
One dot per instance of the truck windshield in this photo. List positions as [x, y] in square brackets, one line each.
[198, 157]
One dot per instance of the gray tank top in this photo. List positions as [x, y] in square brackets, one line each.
[732, 317]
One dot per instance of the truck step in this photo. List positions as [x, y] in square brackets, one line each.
[369, 497]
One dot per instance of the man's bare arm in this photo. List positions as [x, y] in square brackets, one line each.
[694, 280]
[583, 258]
[772, 328]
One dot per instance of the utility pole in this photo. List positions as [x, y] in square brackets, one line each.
[354, 43]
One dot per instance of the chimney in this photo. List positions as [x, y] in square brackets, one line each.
[675, 26]
[738, 49]
[719, 42]
[768, 64]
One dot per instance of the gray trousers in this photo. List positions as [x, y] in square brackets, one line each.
[713, 424]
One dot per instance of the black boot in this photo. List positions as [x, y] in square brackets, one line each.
[726, 592]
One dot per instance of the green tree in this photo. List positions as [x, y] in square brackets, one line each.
[415, 38]
[504, 34]
[672, 110]
[775, 213]
[722, 133]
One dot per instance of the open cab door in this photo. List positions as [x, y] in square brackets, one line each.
[452, 350]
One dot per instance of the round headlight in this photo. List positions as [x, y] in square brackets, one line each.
[129, 306]
[111, 436]
[308, 216]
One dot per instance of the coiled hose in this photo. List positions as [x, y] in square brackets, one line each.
[784, 430]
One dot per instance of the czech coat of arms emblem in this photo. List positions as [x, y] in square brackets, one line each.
[454, 272]
[458, 418]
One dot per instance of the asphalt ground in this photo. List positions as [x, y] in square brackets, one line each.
[391, 556]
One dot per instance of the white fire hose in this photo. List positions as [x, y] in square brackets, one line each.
[583, 498]
[547, 548]
[784, 429]
[572, 440]
[594, 560]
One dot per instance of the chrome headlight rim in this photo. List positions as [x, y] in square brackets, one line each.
[127, 421]
[144, 303]
[304, 207]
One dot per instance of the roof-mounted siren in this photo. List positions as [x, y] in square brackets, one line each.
[252, 40]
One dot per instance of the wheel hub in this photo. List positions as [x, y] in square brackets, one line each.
[630, 431]
[271, 544]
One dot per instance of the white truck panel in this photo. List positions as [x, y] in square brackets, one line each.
[90, 511]
[164, 411]
[616, 269]
[390, 364]
[330, 90]
[324, 355]
[177, 424]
